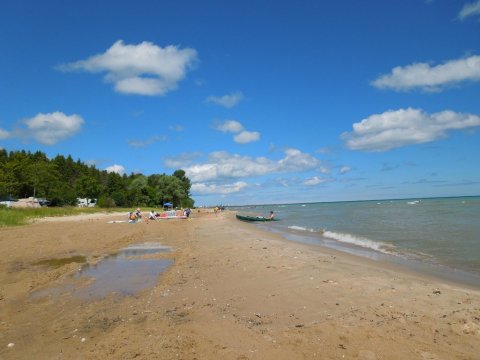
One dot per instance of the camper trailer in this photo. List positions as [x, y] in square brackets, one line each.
[86, 202]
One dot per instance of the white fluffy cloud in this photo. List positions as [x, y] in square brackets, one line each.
[48, 129]
[119, 169]
[229, 126]
[345, 169]
[203, 189]
[470, 9]
[392, 129]
[223, 165]
[242, 136]
[297, 161]
[246, 137]
[143, 69]
[314, 181]
[227, 101]
[214, 176]
[430, 78]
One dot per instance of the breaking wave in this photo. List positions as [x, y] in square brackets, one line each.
[301, 228]
[359, 241]
[348, 239]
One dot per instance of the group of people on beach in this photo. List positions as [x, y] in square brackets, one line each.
[136, 216]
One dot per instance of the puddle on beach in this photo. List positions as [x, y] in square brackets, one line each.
[125, 273]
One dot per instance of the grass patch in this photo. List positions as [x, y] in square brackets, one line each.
[22, 216]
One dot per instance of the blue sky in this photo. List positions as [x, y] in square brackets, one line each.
[258, 101]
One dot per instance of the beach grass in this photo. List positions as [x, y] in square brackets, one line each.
[22, 216]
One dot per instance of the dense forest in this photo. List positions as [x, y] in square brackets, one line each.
[62, 180]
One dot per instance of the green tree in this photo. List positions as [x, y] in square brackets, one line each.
[87, 187]
[61, 180]
[8, 183]
[137, 190]
[186, 201]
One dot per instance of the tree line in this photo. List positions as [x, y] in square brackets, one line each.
[62, 180]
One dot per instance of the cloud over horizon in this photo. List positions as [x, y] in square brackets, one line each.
[397, 128]
[119, 169]
[48, 129]
[430, 78]
[212, 176]
[222, 189]
[143, 69]
[223, 165]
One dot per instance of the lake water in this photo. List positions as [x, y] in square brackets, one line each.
[440, 236]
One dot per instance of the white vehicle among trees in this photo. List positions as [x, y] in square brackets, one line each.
[86, 202]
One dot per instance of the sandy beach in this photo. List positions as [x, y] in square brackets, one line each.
[233, 292]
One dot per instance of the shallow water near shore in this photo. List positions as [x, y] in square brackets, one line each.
[439, 236]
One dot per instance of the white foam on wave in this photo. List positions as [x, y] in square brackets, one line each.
[301, 228]
[349, 239]
[359, 241]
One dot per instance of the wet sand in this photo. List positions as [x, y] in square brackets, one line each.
[233, 292]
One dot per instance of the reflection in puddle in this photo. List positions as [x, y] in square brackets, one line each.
[144, 249]
[125, 273]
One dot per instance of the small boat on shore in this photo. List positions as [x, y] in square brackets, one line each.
[253, 218]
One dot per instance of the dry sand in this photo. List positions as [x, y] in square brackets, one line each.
[234, 292]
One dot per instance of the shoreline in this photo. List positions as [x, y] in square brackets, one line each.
[436, 236]
[433, 271]
[233, 292]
